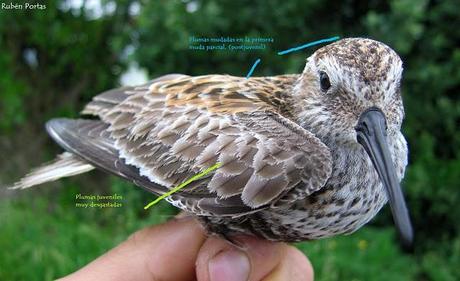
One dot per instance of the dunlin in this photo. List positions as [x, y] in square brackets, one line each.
[302, 156]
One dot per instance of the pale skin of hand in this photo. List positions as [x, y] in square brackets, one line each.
[179, 250]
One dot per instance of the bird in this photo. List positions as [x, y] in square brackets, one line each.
[302, 156]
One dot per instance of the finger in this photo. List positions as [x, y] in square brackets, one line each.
[164, 252]
[294, 267]
[218, 260]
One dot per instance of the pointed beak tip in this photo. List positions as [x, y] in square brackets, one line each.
[407, 242]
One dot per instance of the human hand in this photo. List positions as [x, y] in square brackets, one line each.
[179, 250]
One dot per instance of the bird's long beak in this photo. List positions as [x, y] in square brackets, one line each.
[371, 133]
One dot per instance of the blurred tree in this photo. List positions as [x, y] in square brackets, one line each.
[52, 61]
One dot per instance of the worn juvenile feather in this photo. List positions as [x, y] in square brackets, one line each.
[65, 165]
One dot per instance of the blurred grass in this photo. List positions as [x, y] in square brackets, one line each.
[369, 254]
[44, 238]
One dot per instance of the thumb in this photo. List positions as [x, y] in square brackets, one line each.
[162, 252]
[256, 260]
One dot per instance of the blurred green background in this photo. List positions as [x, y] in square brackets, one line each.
[53, 61]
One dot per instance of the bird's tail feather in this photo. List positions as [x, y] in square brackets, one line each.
[65, 165]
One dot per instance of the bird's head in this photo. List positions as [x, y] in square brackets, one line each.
[349, 94]
[344, 79]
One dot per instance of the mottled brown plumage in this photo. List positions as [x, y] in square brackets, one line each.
[292, 168]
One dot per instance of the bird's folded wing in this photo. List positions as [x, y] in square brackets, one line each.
[174, 128]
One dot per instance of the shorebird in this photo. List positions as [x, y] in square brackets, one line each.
[302, 156]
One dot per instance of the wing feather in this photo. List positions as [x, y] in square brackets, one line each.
[162, 134]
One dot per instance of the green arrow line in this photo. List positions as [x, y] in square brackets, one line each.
[182, 185]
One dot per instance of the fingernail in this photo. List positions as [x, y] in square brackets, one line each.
[230, 265]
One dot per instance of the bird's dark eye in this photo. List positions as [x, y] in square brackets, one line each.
[324, 81]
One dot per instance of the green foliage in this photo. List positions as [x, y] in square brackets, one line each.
[11, 108]
[78, 56]
[75, 58]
